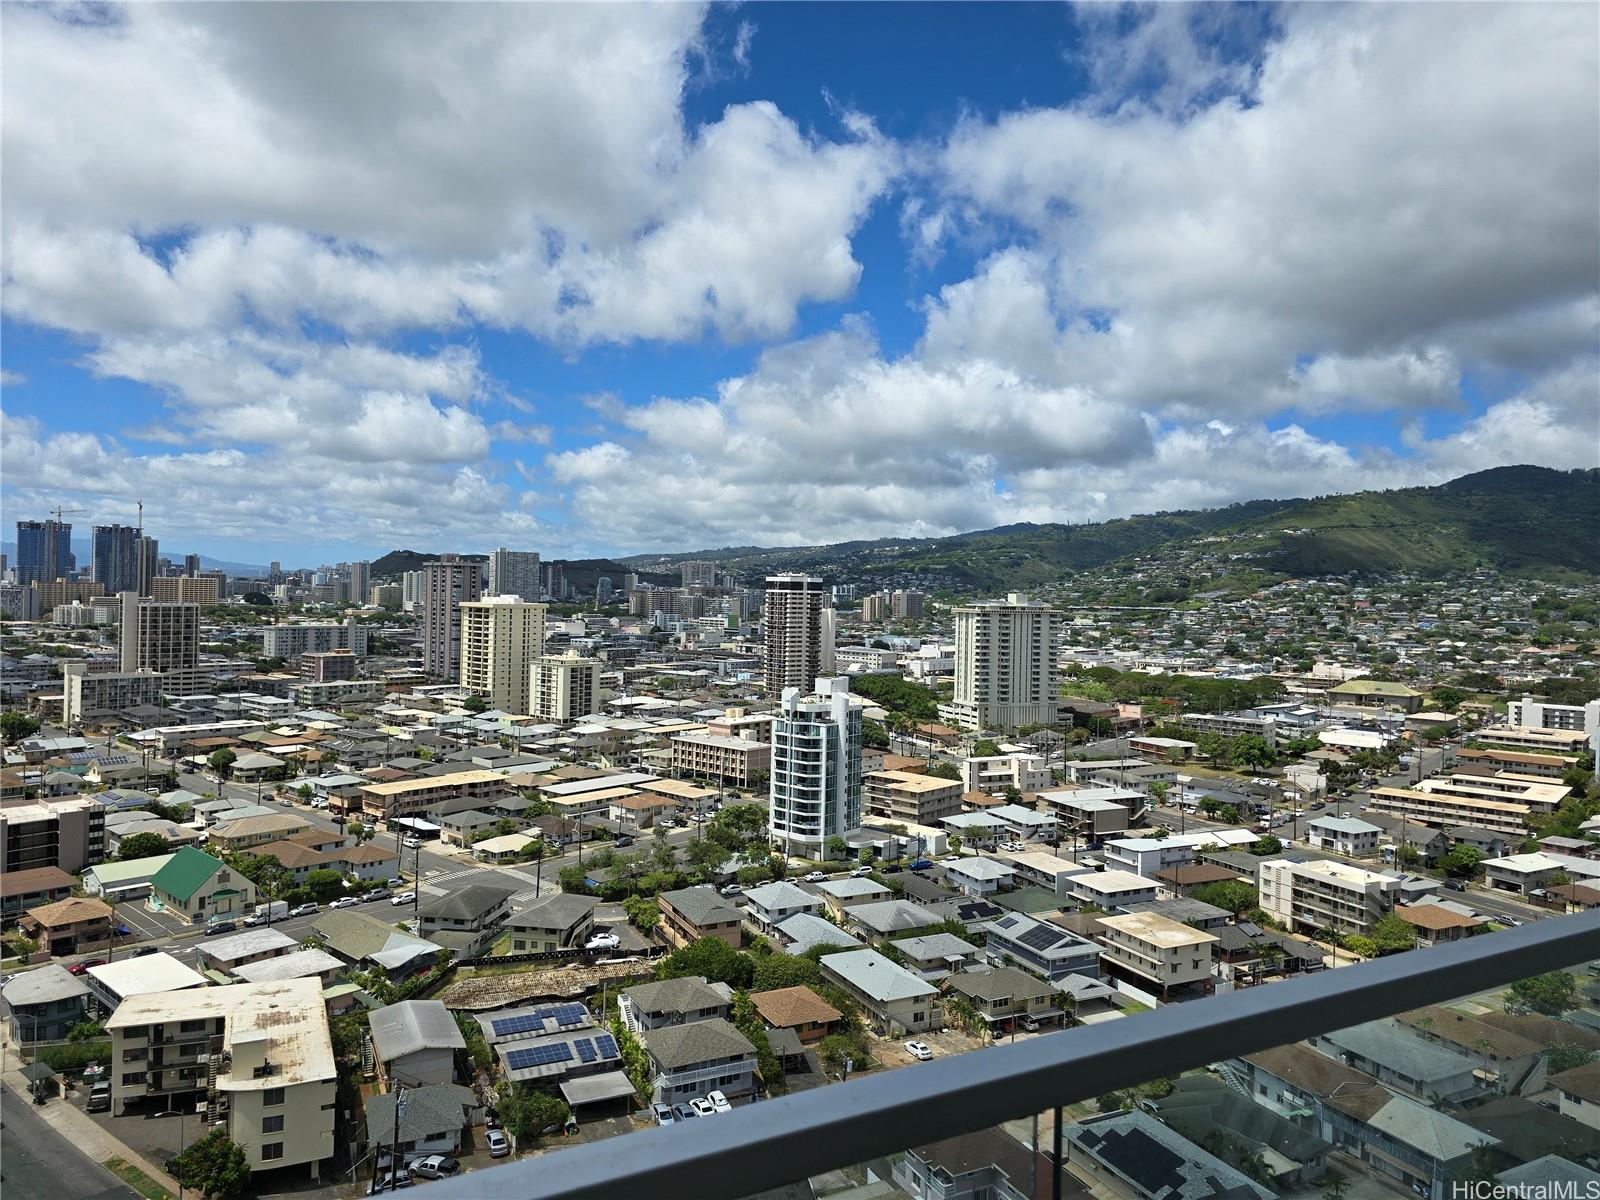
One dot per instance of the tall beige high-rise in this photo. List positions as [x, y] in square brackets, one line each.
[500, 639]
[446, 585]
[163, 638]
[564, 687]
[1005, 664]
[792, 617]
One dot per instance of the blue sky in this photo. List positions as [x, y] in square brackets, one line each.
[608, 279]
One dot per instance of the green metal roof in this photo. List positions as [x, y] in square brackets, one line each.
[184, 875]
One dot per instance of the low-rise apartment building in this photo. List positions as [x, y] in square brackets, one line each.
[1517, 762]
[1317, 895]
[1111, 890]
[1349, 836]
[409, 797]
[910, 797]
[1090, 815]
[735, 761]
[54, 831]
[1529, 713]
[1025, 772]
[259, 1054]
[1539, 741]
[1156, 952]
[771, 904]
[1502, 803]
[559, 921]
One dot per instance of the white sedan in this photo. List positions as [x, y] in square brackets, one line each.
[402, 898]
[919, 1051]
[603, 941]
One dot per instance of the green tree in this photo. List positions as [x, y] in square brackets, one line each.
[214, 1166]
[14, 726]
[1564, 1056]
[527, 1113]
[1232, 894]
[222, 760]
[873, 734]
[836, 847]
[944, 770]
[1462, 862]
[864, 856]
[711, 957]
[477, 1047]
[1551, 994]
[475, 704]
[1391, 933]
[324, 885]
[1448, 699]
[985, 748]
[643, 912]
[142, 845]
[1266, 845]
[785, 970]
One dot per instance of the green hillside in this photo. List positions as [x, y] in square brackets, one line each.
[1516, 519]
[1521, 519]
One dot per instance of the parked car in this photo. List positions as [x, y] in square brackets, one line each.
[306, 909]
[412, 843]
[394, 883]
[253, 920]
[683, 1112]
[919, 1051]
[121, 930]
[663, 1114]
[860, 872]
[402, 898]
[621, 840]
[345, 902]
[816, 877]
[216, 927]
[143, 950]
[603, 941]
[100, 1097]
[497, 1142]
[390, 1180]
[1455, 885]
[382, 893]
[922, 864]
[435, 1166]
[719, 1102]
[730, 889]
[702, 1107]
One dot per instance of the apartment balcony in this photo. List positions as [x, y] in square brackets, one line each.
[1029, 1111]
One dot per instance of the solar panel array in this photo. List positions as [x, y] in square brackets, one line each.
[538, 1056]
[564, 1016]
[1008, 922]
[607, 1045]
[1041, 937]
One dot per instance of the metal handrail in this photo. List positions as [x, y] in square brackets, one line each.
[762, 1146]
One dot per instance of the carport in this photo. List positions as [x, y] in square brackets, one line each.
[609, 1088]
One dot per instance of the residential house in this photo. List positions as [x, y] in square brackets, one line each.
[1112, 890]
[1047, 950]
[801, 932]
[69, 926]
[799, 1010]
[937, 955]
[895, 999]
[1402, 1139]
[1579, 1092]
[431, 1121]
[245, 833]
[1436, 924]
[199, 889]
[1125, 1145]
[227, 954]
[465, 920]
[1508, 1061]
[415, 1041]
[1024, 823]
[690, 1060]
[840, 894]
[1403, 1062]
[365, 942]
[689, 914]
[771, 904]
[558, 921]
[1004, 997]
[978, 876]
[42, 1005]
[681, 1001]
[986, 1164]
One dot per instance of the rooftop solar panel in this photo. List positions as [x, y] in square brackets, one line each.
[538, 1056]
[585, 1049]
[1040, 937]
[607, 1045]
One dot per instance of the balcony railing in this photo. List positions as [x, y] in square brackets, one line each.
[765, 1145]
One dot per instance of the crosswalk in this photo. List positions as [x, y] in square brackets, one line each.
[432, 883]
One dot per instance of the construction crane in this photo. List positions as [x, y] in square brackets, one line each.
[61, 512]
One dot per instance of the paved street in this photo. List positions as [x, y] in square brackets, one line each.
[38, 1162]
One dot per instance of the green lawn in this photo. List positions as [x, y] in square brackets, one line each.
[137, 1179]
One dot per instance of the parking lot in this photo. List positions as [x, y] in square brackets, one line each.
[891, 1052]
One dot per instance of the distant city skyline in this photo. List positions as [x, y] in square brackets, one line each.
[671, 278]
